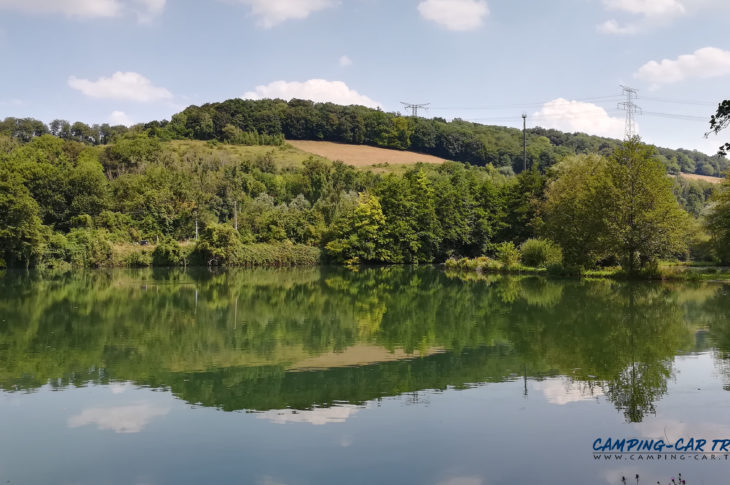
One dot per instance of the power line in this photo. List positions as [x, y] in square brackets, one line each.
[677, 116]
[680, 101]
[524, 105]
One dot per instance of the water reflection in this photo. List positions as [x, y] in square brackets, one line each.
[120, 419]
[310, 339]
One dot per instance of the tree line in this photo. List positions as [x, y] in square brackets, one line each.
[268, 122]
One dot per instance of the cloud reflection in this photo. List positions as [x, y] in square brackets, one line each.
[120, 419]
[462, 481]
[316, 416]
[560, 391]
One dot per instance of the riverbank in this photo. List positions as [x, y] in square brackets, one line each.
[667, 271]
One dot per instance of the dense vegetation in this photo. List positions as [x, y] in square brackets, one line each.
[268, 122]
[88, 198]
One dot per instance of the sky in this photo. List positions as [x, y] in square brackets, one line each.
[560, 62]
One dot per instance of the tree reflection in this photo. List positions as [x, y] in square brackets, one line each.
[240, 339]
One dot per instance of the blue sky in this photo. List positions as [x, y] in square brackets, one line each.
[559, 61]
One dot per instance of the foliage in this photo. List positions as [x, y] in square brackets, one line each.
[507, 254]
[573, 210]
[279, 255]
[268, 122]
[622, 207]
[219, 245]
[168, 253]
[643, 219]
[357, 235]
[718, 223]
[719, 121]
[21, 232]
[540, 253]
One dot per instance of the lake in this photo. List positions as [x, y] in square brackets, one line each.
[375, 376]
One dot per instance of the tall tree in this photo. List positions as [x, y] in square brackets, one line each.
[21, 232]
[719, 121]
[644, 220]
[718, 222]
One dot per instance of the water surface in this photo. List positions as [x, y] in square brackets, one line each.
[395, 375]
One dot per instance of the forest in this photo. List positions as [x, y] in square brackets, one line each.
[269, 122]
[217, 186]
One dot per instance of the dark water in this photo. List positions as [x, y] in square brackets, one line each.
[398, 375]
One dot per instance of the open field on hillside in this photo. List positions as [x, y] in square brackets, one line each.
[361, 155]
[284, 156]
[706, 178]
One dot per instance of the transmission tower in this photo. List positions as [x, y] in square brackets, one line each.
[631, 109]
[415, 107]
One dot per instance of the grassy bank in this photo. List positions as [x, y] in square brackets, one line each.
[172, 254]
[667, 271]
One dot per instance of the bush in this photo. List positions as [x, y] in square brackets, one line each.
[89, 248]
[540, 253]
[219, 245]
[507, 254]
[279, 255]
[168, 253]
[138, 259]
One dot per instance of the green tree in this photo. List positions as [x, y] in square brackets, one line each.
[719, 121]
[357, 237]
[21, 232]
[643, 219]
[718, 222]
[573, 211]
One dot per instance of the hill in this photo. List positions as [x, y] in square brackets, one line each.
[270, 122]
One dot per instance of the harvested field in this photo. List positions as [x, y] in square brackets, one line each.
[706, 178]
[361, 155]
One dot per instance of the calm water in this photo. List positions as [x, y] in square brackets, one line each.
[318, 376]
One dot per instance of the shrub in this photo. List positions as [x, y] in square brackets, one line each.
[279, 255]
[89, 248]
[138, 259]
[168, 253]
[540, 253]
[219, 245]
[507, 254]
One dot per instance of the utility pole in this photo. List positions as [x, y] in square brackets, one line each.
[631, 109]
[415, 107]
[235, 214]
[524, 141]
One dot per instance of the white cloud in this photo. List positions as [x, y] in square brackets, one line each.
[460, 15]
[316, 416]
[650, 13]
[572, 116]
[122, 419]
[145, 9]
[119, 118]
[273, 12]
[128, 86]
[703, 63]
[318, 90]
[345, 61]
[72, 8]
[647, 8]
[614, 28]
